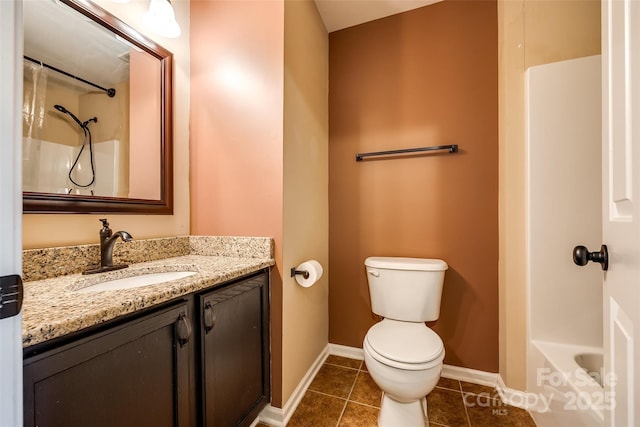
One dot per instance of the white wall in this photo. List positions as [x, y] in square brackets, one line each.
[564, 200]
[46, 167]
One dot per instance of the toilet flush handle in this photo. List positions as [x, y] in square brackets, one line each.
[374, 273]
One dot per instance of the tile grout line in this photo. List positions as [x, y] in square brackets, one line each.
[320, 392]
[342, 366]
[447, 388]
[348, 396]
[461, 391]
[464, 403]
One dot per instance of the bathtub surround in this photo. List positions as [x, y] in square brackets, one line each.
[40, 176]
[562, 392]
[563, 110]
[421, 78]
[39, 264]
[565, 301]
[530, 32]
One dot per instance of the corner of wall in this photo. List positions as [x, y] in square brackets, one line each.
[305, 311]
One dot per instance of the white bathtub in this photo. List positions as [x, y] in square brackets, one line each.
[569, 394]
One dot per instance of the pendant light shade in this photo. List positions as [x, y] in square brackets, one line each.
[161, 19]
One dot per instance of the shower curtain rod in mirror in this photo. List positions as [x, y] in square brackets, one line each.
[111, 92]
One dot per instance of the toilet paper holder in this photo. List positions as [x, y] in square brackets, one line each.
[295, 272]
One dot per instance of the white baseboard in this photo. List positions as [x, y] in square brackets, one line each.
[279, 417]
[470, 375]
[345, 351]
[519, 399]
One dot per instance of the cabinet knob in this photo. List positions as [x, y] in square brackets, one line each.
[183, 329]
[209, 318]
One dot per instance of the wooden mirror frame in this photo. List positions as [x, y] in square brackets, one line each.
[72, 203]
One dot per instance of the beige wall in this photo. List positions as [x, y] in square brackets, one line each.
[59, 127]
[53, 126]
[420, 78]
[113, 123]
[109, 112]
[305, 318]
[50, 230]
[530, 32]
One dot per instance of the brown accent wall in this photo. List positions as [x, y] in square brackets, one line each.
[420, 78]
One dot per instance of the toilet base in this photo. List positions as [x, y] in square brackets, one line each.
[407, 414]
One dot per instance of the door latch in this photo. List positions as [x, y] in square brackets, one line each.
[11, 293]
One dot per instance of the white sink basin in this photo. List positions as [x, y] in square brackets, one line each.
[137, 281]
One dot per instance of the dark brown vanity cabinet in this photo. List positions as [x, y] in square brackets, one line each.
[234, 353]
[134, 374]
[201, 360]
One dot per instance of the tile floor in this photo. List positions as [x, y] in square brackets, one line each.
[343, 394]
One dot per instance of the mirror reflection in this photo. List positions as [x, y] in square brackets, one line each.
[92, 108]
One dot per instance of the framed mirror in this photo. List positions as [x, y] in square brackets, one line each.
[97, 113]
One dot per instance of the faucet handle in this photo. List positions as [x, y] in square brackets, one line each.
[105, 231]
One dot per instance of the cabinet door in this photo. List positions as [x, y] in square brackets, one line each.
[135, 374]
[235, 353]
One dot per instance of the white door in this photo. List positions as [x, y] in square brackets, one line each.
[621, 206]
[10, 207]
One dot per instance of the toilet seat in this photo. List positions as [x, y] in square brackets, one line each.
[404, 345]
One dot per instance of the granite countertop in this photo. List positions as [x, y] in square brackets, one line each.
[53, 307]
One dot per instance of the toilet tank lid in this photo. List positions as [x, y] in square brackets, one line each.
[399, 263]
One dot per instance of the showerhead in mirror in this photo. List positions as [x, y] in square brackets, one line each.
[87, 140]
[73, 116]
[65, 111]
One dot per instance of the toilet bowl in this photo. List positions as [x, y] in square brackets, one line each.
[405, 360]
[403, 356]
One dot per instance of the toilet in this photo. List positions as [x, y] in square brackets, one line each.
[403, 356]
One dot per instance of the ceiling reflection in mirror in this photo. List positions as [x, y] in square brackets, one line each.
[92, 110]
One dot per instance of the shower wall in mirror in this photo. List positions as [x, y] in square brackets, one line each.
[93, 110]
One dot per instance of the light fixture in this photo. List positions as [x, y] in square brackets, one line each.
[161, 19]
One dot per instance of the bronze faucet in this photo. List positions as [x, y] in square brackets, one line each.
[107, 241]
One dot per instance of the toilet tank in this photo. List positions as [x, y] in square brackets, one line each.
[407, 289]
